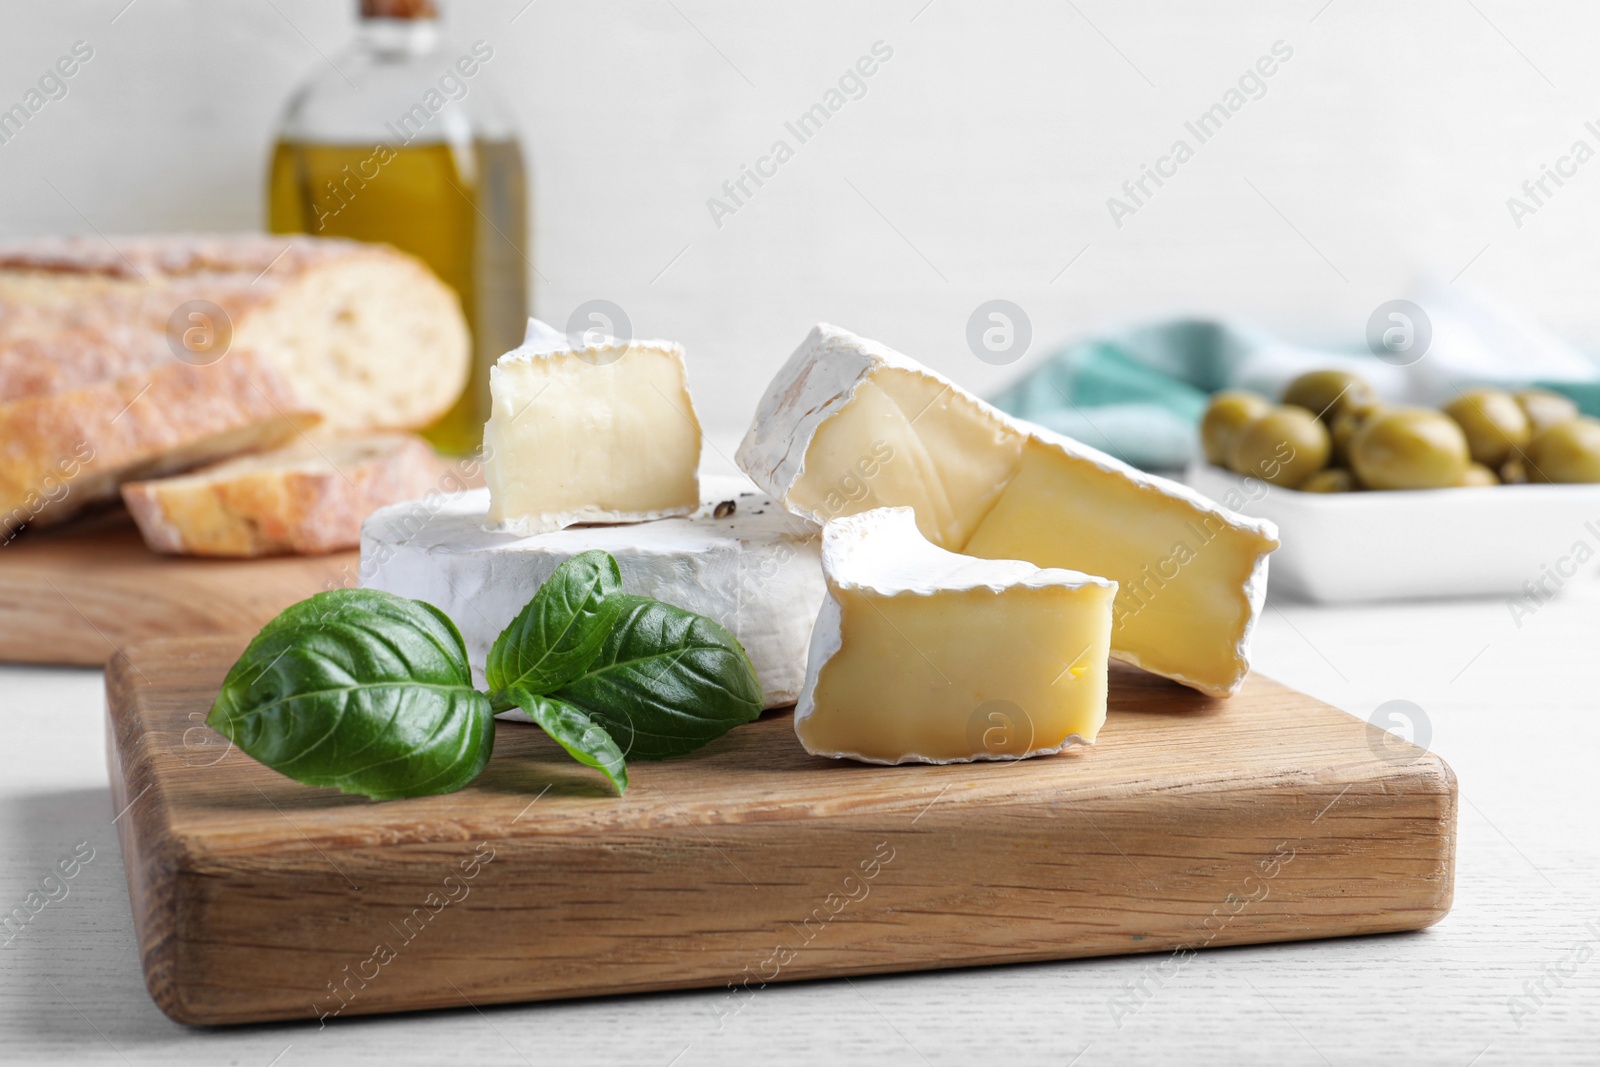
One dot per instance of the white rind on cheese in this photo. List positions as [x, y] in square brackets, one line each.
[603, 431]
[882, 552]
[757, 572]
[818, 380]
[823, 376]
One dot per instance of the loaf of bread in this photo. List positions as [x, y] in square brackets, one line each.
[130, 358]
[306, 498]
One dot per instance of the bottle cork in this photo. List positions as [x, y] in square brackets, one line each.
[399, 9]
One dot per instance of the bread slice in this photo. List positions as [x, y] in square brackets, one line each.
[97, 386]
[307, 498]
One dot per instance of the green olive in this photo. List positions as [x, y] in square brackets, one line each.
[1544, 408]
[1326, 393]
[1345, 425]
[1229, 412]
[1332, 480]
[1477, 475]
[1495, 424]
[1409, 448]
[1566, 452]
[1514, 471]
[1285, 446]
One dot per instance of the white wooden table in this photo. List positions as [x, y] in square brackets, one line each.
[1513, 709]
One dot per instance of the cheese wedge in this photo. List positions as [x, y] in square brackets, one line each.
[740, 559]
[849, 425]
[605, 432]
[925, 656]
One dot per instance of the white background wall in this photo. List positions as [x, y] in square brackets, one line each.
[977, 165]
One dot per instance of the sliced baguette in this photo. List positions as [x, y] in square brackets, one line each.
[308, 498]
[359, 336]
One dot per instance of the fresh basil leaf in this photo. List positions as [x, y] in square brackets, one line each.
[666, 681]
[361, 690]
[584, 739]
[558, 633]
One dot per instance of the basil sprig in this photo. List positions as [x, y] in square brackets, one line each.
[361, 690]
[371, 693]
[584, 739]
[657, 680]
[557, 635]
[666, 681]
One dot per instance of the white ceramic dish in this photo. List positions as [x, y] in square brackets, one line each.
[1521, 542]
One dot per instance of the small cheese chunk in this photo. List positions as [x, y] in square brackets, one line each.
[849, 425]
[739, 559]
[605, 432]
[922, 655]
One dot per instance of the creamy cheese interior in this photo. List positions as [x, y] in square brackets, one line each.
[1179, 570]
[603, 434]
[962, 674]
[982, 487]
[907, 440]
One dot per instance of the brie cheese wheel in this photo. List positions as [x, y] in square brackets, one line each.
[922, 655]
[849, 425]
[605, 432]
[739, 559]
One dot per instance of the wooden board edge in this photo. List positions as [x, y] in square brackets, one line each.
[1451, 786]
[152, 859]
[1424, 903]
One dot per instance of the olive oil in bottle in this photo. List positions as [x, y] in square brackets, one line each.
[402, 142]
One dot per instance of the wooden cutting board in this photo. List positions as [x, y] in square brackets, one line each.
[1194, 822]
[79, 594]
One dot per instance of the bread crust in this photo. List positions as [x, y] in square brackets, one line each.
[93, 392]
[63, 453]
[308, 498]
